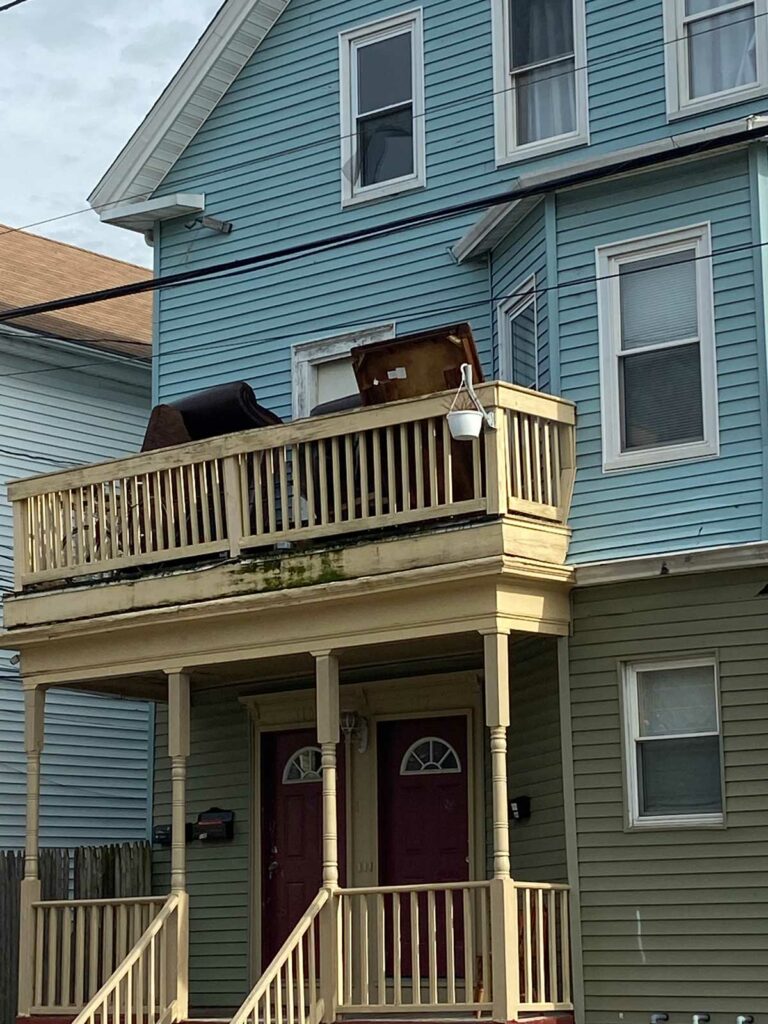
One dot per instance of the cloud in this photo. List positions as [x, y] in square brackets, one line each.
[76, 79]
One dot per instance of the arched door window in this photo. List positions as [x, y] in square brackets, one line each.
[430, 754]
[303, 766]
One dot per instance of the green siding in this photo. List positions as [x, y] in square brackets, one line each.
[218, 875]
[675, 919]
[534, 766]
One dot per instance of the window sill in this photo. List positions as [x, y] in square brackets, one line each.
[717, 101]
[655, 457]
[678, 821]
[543, 148]
[385, 191]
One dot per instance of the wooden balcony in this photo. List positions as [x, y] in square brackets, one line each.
[321, 479]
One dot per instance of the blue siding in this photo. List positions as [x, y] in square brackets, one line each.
[702, 503]
[521, 254]
[97, 759]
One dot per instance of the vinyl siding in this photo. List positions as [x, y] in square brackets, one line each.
[218, 874]
[672, 919]
[523, 254]
[688, 505]
[534, 765]
[96, 763]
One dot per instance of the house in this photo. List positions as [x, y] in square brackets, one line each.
[74, 389]
[488, 749]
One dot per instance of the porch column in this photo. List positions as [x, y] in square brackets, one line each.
[328, 735]
[178, 751]
[504, 927]
[34, 712]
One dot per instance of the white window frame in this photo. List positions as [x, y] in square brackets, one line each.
[349, 41]
[307, 355]
[630, 715]
[679, 102]
[507, 150]
[609, 259]
[524, 296]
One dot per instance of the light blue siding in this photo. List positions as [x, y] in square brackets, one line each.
[97, 759]
[702, 503]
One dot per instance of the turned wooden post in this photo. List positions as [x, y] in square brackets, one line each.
[34, 730]
[505, 964]
[178, 751]
[328, 735]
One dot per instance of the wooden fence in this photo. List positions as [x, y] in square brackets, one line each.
[91, 872]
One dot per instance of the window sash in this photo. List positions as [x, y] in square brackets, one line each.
[360, 117]
[634, 740]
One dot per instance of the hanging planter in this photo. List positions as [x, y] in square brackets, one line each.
[467, 424]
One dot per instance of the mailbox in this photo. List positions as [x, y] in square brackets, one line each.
[162, 835]
[215, 825]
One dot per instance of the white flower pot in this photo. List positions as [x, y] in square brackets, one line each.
[465, 424]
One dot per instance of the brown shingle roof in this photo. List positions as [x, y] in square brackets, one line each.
[35, 269]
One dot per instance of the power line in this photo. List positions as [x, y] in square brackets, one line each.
[13, 3]
[615, 57]
[567, 180]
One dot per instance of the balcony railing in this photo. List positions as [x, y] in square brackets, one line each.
[322, 477]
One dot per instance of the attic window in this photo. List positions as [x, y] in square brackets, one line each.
[382, 108]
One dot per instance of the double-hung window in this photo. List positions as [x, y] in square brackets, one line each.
[382, 108]
[540, 76]
[672, 742]
[657, 349]
[518, 336]
[717, 52]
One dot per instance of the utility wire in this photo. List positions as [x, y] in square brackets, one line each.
[13, 3]
[616, 57]
[568, 180]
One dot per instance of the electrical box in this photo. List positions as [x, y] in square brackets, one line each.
[520, 808]
[215, 825]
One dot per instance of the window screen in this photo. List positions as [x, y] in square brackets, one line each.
[385, 109]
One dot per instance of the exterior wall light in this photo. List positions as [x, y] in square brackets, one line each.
[466, 424]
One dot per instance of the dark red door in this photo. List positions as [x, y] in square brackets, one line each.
[424, 826]
[423, 801]
[291, 831]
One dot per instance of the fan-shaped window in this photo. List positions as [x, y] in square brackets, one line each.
[304, 766]
[430, 754]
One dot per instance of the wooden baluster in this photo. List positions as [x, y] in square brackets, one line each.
[548, 482]
[291, 992]
[129, 998]
[79, 956]
[349, 469]
[260, 469]
[156, 508]
[536, 456]
[311, 483]
[162, 973]
[517, 455]
[381, 953]
[477, 475]
[347, 938]
[415, 960]
[322, 469]
[397, 944]
[432, 945]
[267, 1005]
[418, 462]
[336, 478]
[301, 981]
[391, 472]
[140, 1008]
[528, 945]
[93, 951]
[193, 503]
[152, 982]
[217, 483]
[44, 533]
[39, 957]
[296, 485]
[565, 944]
[312, 957]
[485, 938]
[540, 952]
[60, 547]
[528, 485]
[468, 926]
[362, 453]
[405, 475]
[556, 467]
[434, 497]
[136, 516]
[78, 540]
[247, 512]
[551, 940]
[378, 496]
[53, 954]
[284, 495]
[363, 952]
[447, 464]
[450, 949]
[66, 957]
[206, 499]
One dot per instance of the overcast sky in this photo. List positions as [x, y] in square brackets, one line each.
[76, 78]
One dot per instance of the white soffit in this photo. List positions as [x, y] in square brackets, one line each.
[237, 30]
[141, 216]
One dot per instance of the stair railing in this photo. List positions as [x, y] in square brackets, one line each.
[289, 990]
[144, 987]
